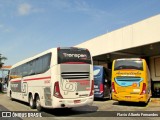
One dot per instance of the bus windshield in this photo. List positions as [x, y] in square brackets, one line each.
[73, 55]
[97, 72]
[128, 64]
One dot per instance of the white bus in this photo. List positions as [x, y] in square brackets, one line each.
[56, 78]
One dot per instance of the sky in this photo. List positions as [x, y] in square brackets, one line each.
[28, 27]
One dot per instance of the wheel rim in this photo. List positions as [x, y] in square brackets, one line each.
[31, 101]
[38, 103]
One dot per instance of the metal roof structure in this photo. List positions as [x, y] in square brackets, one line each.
[141, 39]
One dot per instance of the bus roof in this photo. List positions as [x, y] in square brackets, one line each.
[72, 48]
[41, 54]
[33, 57]
[129, 59]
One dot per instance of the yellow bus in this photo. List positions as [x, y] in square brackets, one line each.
[131, 80]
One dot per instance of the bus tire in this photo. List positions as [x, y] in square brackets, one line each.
[32, 102]
[121, 102]
[38, 104]
[144, 104]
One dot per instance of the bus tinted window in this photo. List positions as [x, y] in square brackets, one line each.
[97, 72]
[33, 67]
[39, 67]
[25, 69]
[46, 62]
[128, 64]
[74, 55]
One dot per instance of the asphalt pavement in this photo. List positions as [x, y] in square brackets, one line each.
[101, 109]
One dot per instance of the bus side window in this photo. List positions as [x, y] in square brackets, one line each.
[13, 73]
[38, 65]
[46, 62]
[31, 67]
[25, 70]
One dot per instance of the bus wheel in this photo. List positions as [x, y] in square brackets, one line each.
[144, 104]
[38, 104]
[121, 102]
[32, 103]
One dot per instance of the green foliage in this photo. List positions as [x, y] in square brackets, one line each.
[2, 59]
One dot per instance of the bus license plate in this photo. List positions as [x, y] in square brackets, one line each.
[128, 97]
[76, 101]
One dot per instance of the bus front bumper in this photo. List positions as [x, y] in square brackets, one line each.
[98, 95]
[69, 103]
[130, 98]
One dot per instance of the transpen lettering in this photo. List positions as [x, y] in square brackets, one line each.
[75, 55]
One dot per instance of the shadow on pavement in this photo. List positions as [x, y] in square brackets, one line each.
[101, 99]
[21, 102]
[133, 104]
[155, 96]
[78, 111]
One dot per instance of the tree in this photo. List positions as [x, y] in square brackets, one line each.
[2, 59]
[1, 64]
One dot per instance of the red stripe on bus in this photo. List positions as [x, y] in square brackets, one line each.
[73, 63]
[42, 78]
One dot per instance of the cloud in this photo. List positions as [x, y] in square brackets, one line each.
[90, 10]
[82, 6]
[24, 9]
[61, 4]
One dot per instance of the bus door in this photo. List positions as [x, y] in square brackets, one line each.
[24, 88]
[107, 82]
[16, 81]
